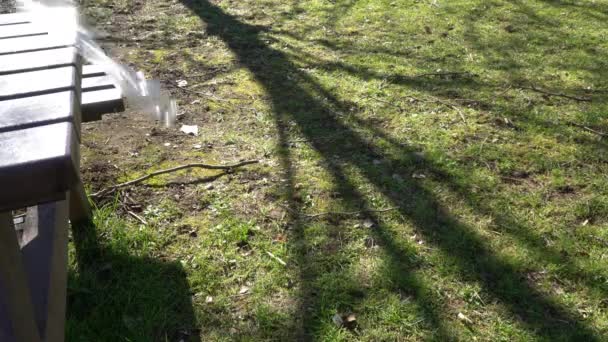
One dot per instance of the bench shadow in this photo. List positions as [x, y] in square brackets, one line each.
[298, 100]
[124, 297]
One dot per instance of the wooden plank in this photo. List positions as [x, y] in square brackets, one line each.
[15, 288]
[96, 83]
[99, 94]
[96, 103]
[39, 110]
[38, 60]
[39, 82]
[37, 164]
[45, 260]
[23, 30]
[80, 210]
[15, 18]
[36, 43]
[93, 70]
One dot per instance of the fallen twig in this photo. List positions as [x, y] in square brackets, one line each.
[207, 94]
[589, 129]
[571, 97]
[137, 217]
[446, 74]
[350, 213]
[276, 258]
[111, 189]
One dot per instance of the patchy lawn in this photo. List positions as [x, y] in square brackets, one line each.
[428, 170]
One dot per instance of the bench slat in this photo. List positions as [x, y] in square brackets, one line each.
[96, 103]
[47, 157]
[23, 30]
[35, 43]
[46, 81]
[38, 111]
[15, 18]
[99, 94]
[96, 83]
[38, 60]
[93, 70]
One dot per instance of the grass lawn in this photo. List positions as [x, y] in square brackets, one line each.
[429, 170]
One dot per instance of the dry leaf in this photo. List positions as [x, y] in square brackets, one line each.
[464, 318]
[368, 223]
[244, 290]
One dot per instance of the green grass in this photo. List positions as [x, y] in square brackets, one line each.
[460, 115]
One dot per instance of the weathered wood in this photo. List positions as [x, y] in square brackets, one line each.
[93, 70]
[38, 60]
[99, 94]
[40, 97]
[97, 83]
[15, 292]
[96, 103]
[15, 18]
[40, 110]
[23, 30]
[20, 85]
[37, 163]
[45, 260]
[80, 210]
[35, 43]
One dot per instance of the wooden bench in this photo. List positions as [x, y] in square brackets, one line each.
[42, 92]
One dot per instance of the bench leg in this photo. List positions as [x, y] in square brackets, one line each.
[46, 262]
[57, 290]
[79, 204]
[14, 279]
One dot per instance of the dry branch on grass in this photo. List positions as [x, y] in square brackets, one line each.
[340, 213]
[113, 188]
[548, 93]
[350, 213]
[588, 129]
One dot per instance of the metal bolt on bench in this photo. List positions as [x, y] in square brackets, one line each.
[45, 94]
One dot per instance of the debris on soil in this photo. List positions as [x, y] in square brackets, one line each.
[464, 318]
[348, 321]
[190, 129]
[276, 258]
[338, 321]
[244, 290]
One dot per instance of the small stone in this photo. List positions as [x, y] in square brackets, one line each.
[167, 144]
[368, 223]
[338, 321]
[209, 300]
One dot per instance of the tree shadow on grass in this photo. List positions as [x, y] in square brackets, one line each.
[114, 295]
[297, 98]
